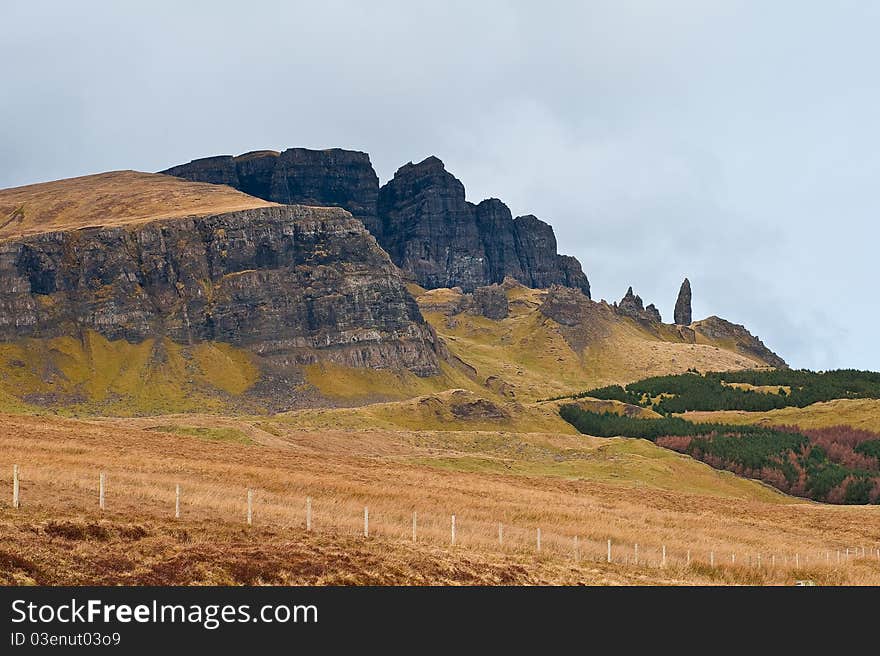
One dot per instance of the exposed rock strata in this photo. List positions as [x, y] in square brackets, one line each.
[421, 216]
[293, 284]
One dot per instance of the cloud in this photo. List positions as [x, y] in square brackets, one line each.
[732, 142]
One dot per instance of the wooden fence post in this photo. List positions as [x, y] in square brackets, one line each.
[366, 522]
[608, 555]
[688, 563]
[308, 513]
[663, 562]
[711, 559]
[101, 491]
[453, 529]
[539, 540]
[250, 507]
[177, 502]
[16, 500]
[797, 562]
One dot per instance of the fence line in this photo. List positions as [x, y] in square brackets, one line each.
[277, 511]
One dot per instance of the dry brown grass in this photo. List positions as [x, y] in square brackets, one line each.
[538, 358]
[625, 490]
[112, 199]
[858, 413]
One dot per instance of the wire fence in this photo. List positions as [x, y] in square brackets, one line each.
[371, 518]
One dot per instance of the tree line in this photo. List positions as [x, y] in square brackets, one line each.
[713, 390]
[831, 465]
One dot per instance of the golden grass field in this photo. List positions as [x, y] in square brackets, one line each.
[858, 413]
[112, 199]
[628, 491]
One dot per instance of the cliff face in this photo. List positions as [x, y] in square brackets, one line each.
[420, 217]
[328, 178]
[293, 284]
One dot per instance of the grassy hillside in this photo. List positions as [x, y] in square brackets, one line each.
[93, 375]
[111, 199]
[628, 491]
[858, 413]
[537, 358]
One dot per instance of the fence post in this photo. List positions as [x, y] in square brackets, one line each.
[16, 501]
[539, 540]
[688, 563]
[773, 560]
[177, 502]
[366, 522]
[711, 559]
[101, 491]
[308, 513]
[250, 507]
[608, 555]
[414, 525]
[733, 559]
[663, 562]
[453, 529]
[797, 561]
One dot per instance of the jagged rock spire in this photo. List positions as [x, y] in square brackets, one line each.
[683, 305]
[631, 305]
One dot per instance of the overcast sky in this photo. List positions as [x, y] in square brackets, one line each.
[736, 143]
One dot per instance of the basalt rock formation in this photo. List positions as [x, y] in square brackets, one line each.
[421, 217]
[293, 284]
[682, 312]
[297, 176]
[631, 305]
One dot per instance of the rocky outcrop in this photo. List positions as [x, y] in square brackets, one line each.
[631, 305]
[442, 240]
[490, 302]
[293, 284]
[421, 217]
[326, 178]
[739, 339]
[682, 312]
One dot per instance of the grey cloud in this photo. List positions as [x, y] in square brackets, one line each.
[732, 142]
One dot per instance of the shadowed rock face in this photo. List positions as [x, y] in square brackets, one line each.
[327, 178]
[421, 216]
[683, 304]
[293, 284]
[434, 234]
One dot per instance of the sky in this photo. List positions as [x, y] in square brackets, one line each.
[735, 143]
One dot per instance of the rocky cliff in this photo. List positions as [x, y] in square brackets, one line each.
[293, 284]
[327, 178]
[421, 216]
